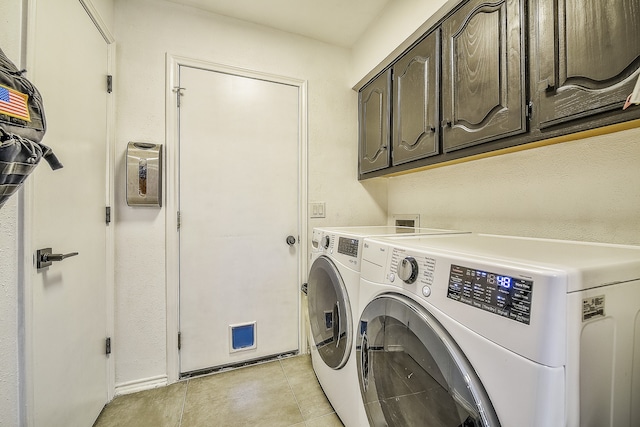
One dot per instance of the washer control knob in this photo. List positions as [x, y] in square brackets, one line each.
[426, 291]
[325, 242]
[408, 270]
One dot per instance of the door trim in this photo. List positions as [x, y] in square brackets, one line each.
[172, 262]
[26, 249]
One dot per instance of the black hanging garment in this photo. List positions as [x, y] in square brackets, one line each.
[22, 127]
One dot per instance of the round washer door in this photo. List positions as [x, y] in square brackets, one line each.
[329, 313]
[411, 371]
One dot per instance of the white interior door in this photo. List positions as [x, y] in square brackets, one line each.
[239, 200]
[65, 344]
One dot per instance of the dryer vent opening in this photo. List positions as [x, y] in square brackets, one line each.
[404, 223]
[242, 337]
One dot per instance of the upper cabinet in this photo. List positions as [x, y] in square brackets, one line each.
[416, 130]
[588, 56]
[491, 75]
[483, 80]
[374, 117]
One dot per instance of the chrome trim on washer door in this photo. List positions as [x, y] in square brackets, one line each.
[412, 372]
[329, 313]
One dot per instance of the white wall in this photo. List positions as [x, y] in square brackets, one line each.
[583, 190]
[395, 24]
[145, 31]
[10, 42]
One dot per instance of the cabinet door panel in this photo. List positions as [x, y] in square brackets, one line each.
[483, 73]
[589, 56]
[374, 117]
[415, 93]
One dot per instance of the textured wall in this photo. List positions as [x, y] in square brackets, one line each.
[397, 22]
[582, 190]
[145, 31]
[10, 42]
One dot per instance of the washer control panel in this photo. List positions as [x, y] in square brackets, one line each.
[413, 268]
[502, 295]
[348, 246]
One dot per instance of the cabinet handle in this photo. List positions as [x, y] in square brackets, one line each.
[433, 129]
[550, 88]
[448, 124]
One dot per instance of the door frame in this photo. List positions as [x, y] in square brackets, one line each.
[172, 132]
[27, 248]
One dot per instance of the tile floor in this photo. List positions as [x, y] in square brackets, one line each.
[283, 393]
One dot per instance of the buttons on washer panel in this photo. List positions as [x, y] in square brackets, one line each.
[420, 266]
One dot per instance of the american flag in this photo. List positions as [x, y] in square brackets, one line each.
[14, 103]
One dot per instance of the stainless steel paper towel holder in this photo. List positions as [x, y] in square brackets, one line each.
[144, 174]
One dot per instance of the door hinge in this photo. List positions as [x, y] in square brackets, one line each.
[178, 219]
[109, 83]
[529, 110]
[108, 345]
[107, 214]
[179, 340]
[179, 92]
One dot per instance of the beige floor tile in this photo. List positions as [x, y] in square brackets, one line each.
[245, 412]
[254, 380]
[255, 396]
[297, 364]
[282, 393]
[311, 399]
[331, 420]
[160, 407]
[314, 405]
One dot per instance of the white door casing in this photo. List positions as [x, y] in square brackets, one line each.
[68, 377]
[238, 264]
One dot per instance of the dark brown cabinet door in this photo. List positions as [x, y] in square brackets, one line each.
[416, 128]
[483, 95]
[374, 109]
[588, 56]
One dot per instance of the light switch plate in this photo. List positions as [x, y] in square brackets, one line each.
[317, 210]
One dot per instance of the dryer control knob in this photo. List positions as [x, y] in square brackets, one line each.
[408, 270]
[325, 242]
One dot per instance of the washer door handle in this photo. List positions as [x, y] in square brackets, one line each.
[336, 323]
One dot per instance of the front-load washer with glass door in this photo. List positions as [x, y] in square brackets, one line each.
[333, 293]
[482, 330]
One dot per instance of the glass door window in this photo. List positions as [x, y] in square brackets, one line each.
[412, 373]
[329, 313]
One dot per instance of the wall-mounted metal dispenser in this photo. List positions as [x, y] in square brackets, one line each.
[144, 174]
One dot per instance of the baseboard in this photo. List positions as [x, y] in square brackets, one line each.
[140, 385]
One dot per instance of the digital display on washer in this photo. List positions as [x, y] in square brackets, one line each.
[348, 246]
[502, 295]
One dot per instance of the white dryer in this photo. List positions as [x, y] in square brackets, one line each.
[333, 294]
[483, 330]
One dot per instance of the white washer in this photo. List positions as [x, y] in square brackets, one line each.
[482, 330]
[333, 293]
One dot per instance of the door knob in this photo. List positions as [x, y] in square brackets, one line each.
[291, 240]
[45, 257]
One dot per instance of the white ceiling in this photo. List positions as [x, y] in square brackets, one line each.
[339, 22]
